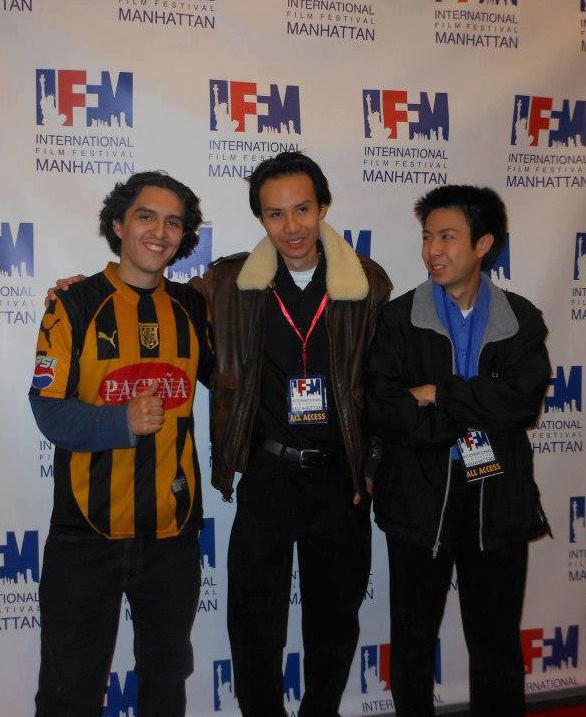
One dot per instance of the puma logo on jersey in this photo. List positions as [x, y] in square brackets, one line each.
[109, 339]
[46, 331]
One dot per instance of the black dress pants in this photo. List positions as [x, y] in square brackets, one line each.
[280, 504]
[80, 595]
[491, 587]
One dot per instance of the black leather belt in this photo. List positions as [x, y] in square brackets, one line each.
[308, 458]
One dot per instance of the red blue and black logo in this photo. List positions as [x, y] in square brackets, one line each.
[237, 106]
[44, 374]
[541, 122]
[396, 115]
[68, 98]
[560, 651]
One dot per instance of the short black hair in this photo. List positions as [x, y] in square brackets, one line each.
[124, 194]
[484, 210]
[283, 164]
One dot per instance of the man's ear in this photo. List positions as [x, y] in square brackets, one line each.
[117, 227]
[484, 245]
[323, 210]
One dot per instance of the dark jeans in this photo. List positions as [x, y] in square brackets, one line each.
[491, 587]
[278, 505]
[80, 595]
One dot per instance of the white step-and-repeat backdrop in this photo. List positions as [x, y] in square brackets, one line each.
[392, 97]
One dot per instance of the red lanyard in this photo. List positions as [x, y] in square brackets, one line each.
[287, 315]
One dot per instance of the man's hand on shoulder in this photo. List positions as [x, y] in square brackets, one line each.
[146, 414]
[62, 284]
[424, 395]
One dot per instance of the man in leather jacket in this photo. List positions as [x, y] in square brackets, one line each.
[293, 321]
[457, 373]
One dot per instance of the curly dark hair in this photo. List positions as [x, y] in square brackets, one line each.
[123, 195]
[484, 210]
[284, 164]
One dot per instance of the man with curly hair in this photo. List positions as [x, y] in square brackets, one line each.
[118, 357]
[292, 320]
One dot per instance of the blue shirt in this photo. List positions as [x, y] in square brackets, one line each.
[466, 332]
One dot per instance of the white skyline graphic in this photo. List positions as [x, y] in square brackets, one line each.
[371, 680]
[224, 692]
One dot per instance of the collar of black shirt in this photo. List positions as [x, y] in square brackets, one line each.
[284, 281]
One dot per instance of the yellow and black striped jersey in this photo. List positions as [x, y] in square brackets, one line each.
[102, 342]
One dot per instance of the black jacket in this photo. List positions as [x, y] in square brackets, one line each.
[411, 347]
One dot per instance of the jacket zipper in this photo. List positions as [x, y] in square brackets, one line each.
[481, 501]
[436, 545]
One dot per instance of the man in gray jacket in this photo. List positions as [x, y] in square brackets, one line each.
[457, 373]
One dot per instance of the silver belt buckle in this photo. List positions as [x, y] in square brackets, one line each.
[310, 458]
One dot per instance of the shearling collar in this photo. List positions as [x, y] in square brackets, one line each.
[345, 277]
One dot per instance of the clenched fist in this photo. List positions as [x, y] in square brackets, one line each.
[146, 414]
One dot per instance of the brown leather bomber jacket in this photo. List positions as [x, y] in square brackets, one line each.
[235, 288]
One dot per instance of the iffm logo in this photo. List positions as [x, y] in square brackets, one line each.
[375, 667]
[245, 106]
[556, 652]
[16, 251]
[537, 123]
[121, 701]
[197, 262]
[564, 393]
[580, 256]
[67, 98]
[207, 544]
[20, 563]
[392, 114]
[578, 519]
[224, 692]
